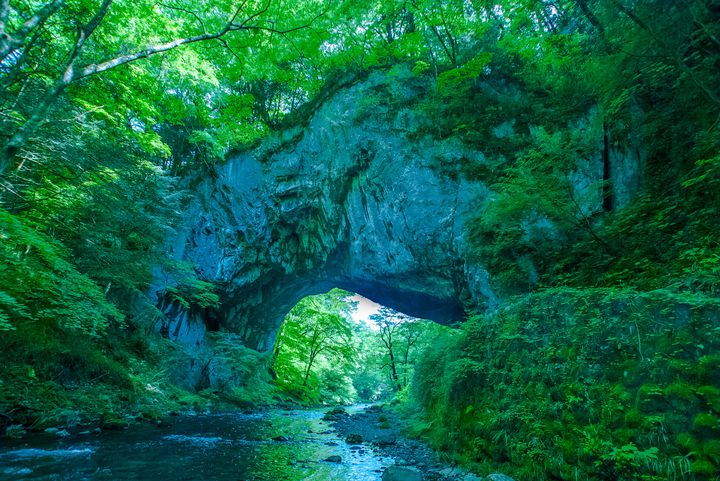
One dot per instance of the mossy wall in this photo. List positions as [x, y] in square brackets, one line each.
[582, 384]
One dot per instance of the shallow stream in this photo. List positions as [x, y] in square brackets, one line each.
[231, 447]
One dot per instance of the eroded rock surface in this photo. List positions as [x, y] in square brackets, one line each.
[350, 201]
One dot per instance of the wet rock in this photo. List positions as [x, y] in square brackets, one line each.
[333, 459]
[471, 477]
[354, 439]
[280, 439]
[163, 424]
[52, 430]
[401, 473]
[111, 422]
[63, 433]
[498, 477]
[335, 414]
[385, 439]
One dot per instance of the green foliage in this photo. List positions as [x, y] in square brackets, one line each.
[577, 384]
[249, 377]
[313, 353]
[40, 287]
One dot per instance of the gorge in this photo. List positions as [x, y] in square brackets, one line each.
[194, 194]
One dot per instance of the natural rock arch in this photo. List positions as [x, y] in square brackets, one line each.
[359, 198]
[340, 203]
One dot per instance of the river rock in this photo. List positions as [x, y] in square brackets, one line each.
[333, 459]
[354, 439]
[110, 422]
[280, 439]
[401, 473]
[385, 439]
[498, 477]
[162, 423]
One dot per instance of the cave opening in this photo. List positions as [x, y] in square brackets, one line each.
[339, 347]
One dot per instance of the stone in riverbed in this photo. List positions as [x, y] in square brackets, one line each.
[498, 477]
[280, 439]
[385, 439]
[401, 473]
[354, 439]
[471, 477]
[114, 422]
[333, 459]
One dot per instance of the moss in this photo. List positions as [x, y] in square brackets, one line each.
[633, 418]
[708, 368]
[686, 441]
[681, 366]
[651, 398]
[711, 449]
[706, 420]
[711, 396]
[680, 389]
[619, 416]
[703, 466]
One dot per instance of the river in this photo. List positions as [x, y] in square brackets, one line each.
[228, 446]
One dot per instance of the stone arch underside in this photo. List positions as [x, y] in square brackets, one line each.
[364, 200]
[338, 203]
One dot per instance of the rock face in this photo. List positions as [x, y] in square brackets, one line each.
[361, 198]
[350, 201]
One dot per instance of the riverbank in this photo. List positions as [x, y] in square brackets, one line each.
[378, 428]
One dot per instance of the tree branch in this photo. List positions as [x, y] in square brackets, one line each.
[10, 42]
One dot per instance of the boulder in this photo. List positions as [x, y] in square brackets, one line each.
[387, 439]
[498, 477]
[401, 473]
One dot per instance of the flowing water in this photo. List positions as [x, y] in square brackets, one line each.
[231, 447]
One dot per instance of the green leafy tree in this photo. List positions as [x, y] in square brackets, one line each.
[85, 40]
[315, 336]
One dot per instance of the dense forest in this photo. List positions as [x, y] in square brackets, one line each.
[597, 357]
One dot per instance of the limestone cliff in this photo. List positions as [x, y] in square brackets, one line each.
[359, 198]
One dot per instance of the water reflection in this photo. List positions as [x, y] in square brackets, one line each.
[213, 447]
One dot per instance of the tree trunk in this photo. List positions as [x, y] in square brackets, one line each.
[393, 370]
[309, 366]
